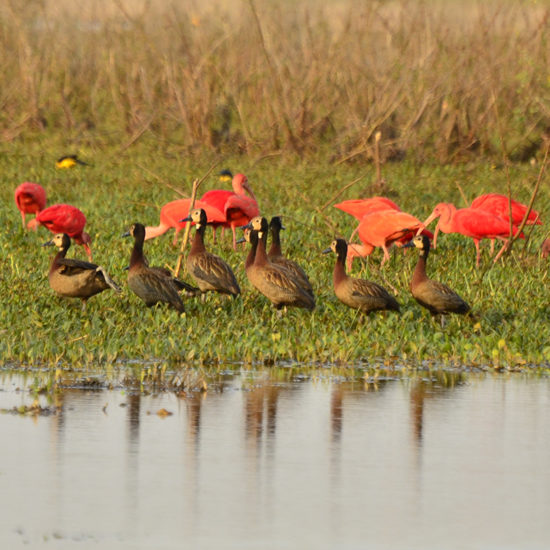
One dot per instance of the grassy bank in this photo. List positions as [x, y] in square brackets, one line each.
[511, 299]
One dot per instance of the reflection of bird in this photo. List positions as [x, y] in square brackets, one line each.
[276, 257]
[75, 278]
[238, 206]
[172, 213]
[383, 228]
[474, 223]
[30, 198]
[275, 283]
[152, 284]
[69, 161]
[357, 293]
[64, 218]
[209, 271]
[435, 296]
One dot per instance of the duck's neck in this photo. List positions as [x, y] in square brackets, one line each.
[57, 259]
[419, 274]
[261, 255]
[275, 248]
[251, 255]
[339, 274]
[137, 259]
[197, 246]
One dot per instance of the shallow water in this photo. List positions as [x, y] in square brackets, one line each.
[461, 461]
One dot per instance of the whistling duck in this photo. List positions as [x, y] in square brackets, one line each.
[435, 296]
[545, 249]
[152, 284]
[276, 257]
[30, 198]
[69, 161]
[357, 293]
[209, 271]
[274, 282]
[76, 278]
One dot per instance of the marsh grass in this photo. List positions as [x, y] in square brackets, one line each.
[434, 79]
[511, 327]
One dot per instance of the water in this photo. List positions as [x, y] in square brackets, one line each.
[458, 462]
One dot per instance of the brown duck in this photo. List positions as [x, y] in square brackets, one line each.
[152, 284]
[276, 257]
[435, 296]
[209, 271]
[76, 278]
[274, 282]
[357, 293]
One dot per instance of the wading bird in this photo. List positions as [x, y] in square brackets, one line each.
[30, 198]
[238, 206]
[64, 218]
[474, 223]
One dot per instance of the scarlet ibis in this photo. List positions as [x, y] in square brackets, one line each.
[474, 223]
[172, 213]
[433, 295]
[152, 284]
[383, 228]
[360, 207]
[500, 206]
[64, 218]
[30, 198]
[356, 293]
[69, 161]
[75, 278]
[238, 206]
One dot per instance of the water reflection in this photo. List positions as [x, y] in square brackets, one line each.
[261, 460]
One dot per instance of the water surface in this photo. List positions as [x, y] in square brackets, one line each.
[452, 461]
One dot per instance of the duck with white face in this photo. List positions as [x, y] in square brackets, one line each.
[433, 295]
[73, 278]
[360, 294]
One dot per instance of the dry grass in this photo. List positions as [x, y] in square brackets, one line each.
[440, 79]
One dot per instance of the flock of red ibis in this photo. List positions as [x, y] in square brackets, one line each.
[381, 224]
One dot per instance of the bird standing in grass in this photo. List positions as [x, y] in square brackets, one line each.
[69, 161]
[274, 282]
[360, 294]
[64, 218]
[435, 296]
[209, 271]
[152, 284]
[75, 278]
[30, 198]
[276, 257]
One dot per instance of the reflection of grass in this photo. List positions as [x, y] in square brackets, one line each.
[298, 77]
[512, 300]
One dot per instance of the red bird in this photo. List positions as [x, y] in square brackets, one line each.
[498, 204]
[30, 198]
[238, 206]
[383, 228]
[172, 212]
[64, 218]
[360, 207]
[474, 223]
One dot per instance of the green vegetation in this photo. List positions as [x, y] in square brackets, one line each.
[301, 98]
[511, 300]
